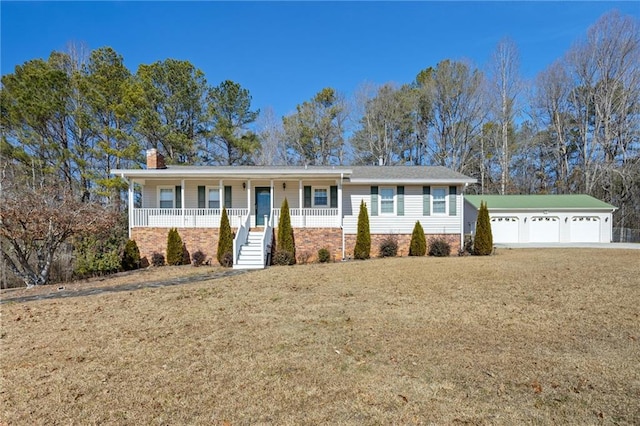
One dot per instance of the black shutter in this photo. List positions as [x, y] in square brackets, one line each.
[400, 191]
[374, 201]
[202, 203]
[334, 197]
[178, 197]
[452, 201]
[227, 197]
[426, 200]
[307, 197]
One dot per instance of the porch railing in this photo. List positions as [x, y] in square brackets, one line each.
[187, 218]
[311, 217]
[241, 237]
[266, 238]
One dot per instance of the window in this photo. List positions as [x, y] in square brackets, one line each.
[386, 201]
[213, 198]
[320, 197]
[439, 196]
[166, 198]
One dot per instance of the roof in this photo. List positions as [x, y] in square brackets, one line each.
[355, 174]
[539, 202]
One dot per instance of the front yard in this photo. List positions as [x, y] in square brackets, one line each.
[525, 336]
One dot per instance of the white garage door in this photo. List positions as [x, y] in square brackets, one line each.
[585, 229]
[504, 229]
[544, 229]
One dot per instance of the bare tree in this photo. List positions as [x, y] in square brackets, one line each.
[273, 150]
[504, 88]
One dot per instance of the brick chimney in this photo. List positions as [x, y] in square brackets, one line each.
[155, 160]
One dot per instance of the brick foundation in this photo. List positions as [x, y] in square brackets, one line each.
[150, 240]
[308, 242]
[404, 241]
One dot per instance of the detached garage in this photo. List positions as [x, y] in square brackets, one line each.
[542, 218]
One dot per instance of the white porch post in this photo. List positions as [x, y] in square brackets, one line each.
[249, 197]
[131, 206]
[182, 191]
[273, 194]
[300, 202]
[340, 203]
[221, 194]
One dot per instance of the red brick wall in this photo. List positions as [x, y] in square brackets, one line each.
[404, 241]
[310, 240]
[155, 239]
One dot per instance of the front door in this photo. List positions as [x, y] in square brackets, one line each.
[263, 204]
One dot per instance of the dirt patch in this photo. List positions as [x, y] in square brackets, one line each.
[526, 336]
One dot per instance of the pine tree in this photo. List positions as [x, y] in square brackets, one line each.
[418, 245]
[174, 248]
[225, 239]
[286, 240]
[483, 243]
[363, 238]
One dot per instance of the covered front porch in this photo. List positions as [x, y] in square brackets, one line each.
[198, 203]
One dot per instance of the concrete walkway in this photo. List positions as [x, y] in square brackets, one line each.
[625, 246]
[63, 294]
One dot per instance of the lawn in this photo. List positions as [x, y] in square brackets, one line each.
[526, 336]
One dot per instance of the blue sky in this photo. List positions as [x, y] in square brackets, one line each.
[285, 52]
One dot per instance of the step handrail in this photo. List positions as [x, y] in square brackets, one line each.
[241, 237]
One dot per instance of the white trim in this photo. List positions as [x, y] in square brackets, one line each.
[446, 200]
[394, 201]
[173, 196]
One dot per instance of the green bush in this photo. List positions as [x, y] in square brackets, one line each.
[97, 255]
[389, 246]
[283, 258]
[418, 245]
[225, 240]
[439, 247]
[198, 258]
[483, 242]
[131, 256]
[286, 241]
[362, 249]
[323, 255]
[175, 250]
[157, 259]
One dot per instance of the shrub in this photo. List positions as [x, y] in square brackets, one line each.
[283, 257]
[174, 248]
[131, 256]
[389, 246]
[225, 240]
[323, 255]
[483, 242]
[157, 259]
[303, 258]
[198, 258]
[418, 245]
[227, 260]
[186, 256]
[439, 247]
[97, 255]
[286, 240]
[362, 249]
[467, 248]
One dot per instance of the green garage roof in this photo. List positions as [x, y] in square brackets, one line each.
[539, 202]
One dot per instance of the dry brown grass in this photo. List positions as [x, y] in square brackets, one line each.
[526, 336]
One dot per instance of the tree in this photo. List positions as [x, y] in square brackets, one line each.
[483, 243]
[286, 240]
[273, 149]
[225, 240]
[170, 98]
[35, 219]
[387, 127]
[315, 132]
[456, 112]
[229, 108]
[362, 249]
[418, 245]
[503, 90]
[174, 248]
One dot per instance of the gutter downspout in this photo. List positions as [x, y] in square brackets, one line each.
[462, 217]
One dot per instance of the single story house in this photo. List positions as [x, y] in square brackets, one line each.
[542, 218]
[324, 203]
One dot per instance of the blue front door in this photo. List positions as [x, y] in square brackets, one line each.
[263, 204]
